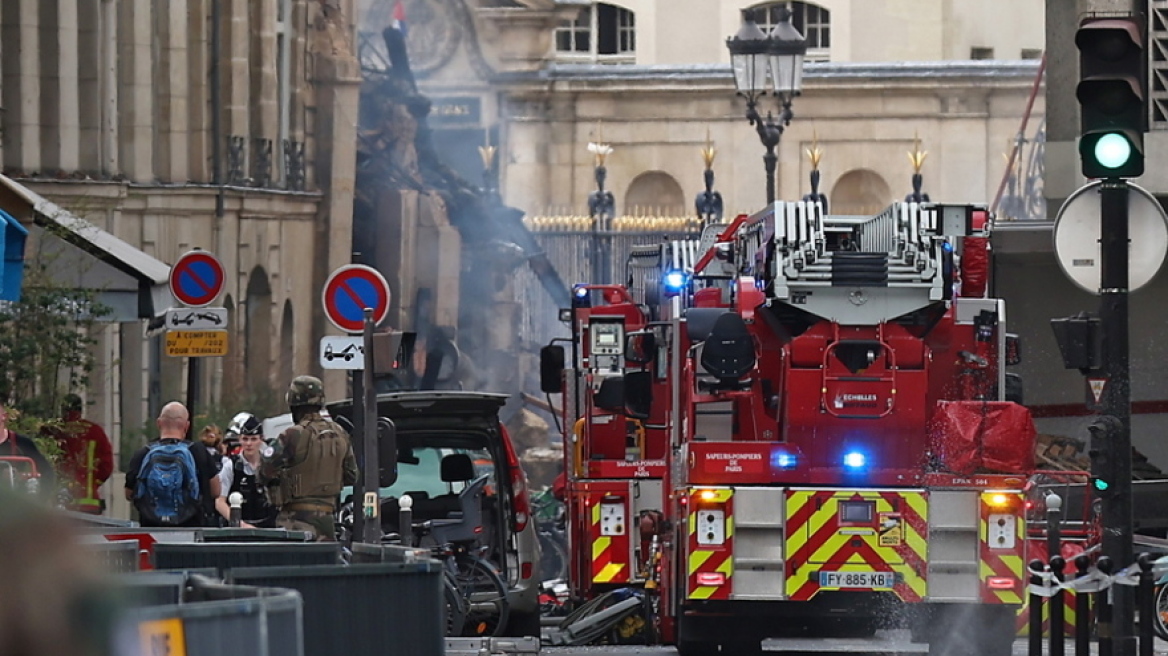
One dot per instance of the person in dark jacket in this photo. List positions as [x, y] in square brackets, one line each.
[173, 422]
[14, 445]
[239, 474]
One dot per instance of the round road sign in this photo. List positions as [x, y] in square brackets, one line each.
[1078, 231]
[197, 278]
[349, 290]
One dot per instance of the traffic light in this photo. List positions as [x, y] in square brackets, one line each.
[1112, 96]
[1103, 431]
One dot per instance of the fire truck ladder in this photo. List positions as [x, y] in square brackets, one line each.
[858, 269]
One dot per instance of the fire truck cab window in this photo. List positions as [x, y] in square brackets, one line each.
[855, 512]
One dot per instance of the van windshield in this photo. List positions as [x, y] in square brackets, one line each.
[420, 470]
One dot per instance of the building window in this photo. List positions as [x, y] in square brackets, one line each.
[812, 21]
[981, 53]
[600, 33]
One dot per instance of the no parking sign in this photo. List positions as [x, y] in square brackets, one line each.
[349, 290]
[197, 278]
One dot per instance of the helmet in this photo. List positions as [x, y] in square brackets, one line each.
[305, 390]
[244, 423]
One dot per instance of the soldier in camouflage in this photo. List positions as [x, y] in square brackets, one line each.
[312, 460]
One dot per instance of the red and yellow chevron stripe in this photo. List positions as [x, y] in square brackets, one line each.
[892, 538]
[1001, 566]
[610, 553]
[710, 568]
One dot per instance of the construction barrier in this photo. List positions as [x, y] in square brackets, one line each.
[162, 613]
[119, 557]
[1092, 584]
[226, 555]
[145, 538]
[387, 553]
[253, 535]
[387, 609]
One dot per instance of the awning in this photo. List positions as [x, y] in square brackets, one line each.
[13, 236]
[80, 255]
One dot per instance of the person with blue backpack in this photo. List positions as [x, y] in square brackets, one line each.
[169, 482]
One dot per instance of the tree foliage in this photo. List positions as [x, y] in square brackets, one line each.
[46, 341]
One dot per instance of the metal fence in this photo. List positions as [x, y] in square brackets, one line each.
[180, 614]
[385, 609]
[583, 255]
[226, 555]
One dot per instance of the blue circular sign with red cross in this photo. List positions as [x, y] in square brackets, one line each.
[197, 278]
[349, 290]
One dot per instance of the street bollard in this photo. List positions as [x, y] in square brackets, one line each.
[1057, 609]
[235, 500]
[1035, 634]
[1054, 515]
[1103, 610]
[405, 519]
[1147, 604]
[1082, 610]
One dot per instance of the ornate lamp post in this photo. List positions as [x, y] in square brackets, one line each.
[601, 207]
[709, 202]
[487, 153]
[754, 57]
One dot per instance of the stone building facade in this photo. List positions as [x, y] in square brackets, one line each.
[225, 125]
[543, 78]
[539, 80]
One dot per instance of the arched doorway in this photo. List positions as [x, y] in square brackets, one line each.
[861, 192]
[232, 382]
[285, 356]
[654, 193]
[257, 357]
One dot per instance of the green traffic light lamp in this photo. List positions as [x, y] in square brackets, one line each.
[1111, 154]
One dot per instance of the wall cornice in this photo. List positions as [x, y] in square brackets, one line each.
[814, 73]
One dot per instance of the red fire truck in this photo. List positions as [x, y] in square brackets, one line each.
[800, 423]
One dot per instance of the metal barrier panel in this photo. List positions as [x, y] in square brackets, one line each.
[225, 555]
[386, 609]
[145, 589]
[118, 557]
[208, 619]
[252, 535]
[388, 553]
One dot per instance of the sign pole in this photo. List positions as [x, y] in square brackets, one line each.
[1113, 313]
[359, 451]
[372, 461]
[192, 393]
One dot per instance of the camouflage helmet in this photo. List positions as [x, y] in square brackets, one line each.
[305, 390]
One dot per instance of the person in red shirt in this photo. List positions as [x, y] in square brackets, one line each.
[87, 458]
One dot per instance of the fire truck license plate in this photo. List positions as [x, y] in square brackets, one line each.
[869, 580]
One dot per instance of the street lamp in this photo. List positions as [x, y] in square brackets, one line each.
[755, 57]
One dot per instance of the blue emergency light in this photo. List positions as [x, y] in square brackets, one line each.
[783, 460]
[855, 460]
[675, 282]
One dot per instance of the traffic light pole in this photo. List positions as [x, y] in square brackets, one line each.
[1113, 314]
